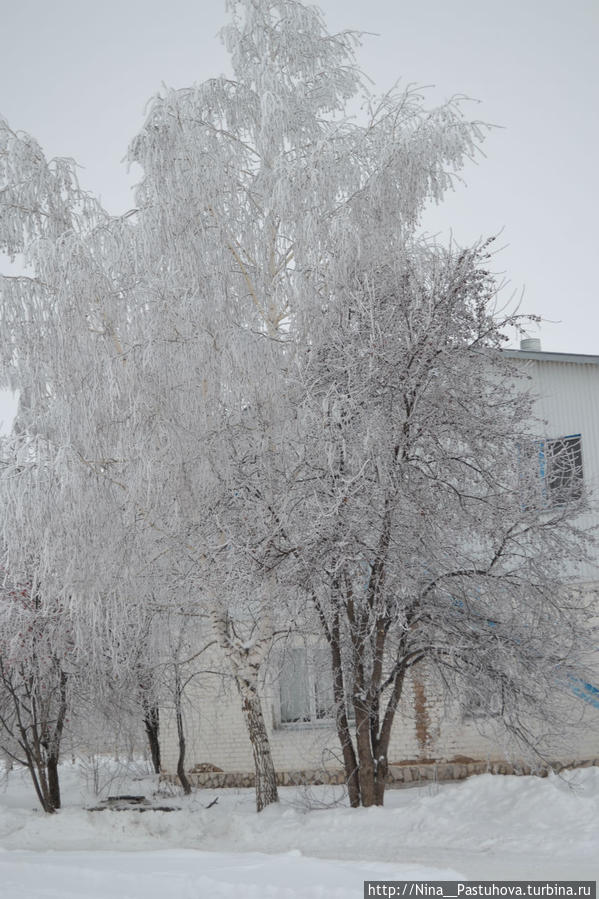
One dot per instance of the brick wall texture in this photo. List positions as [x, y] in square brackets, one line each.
[427, 733]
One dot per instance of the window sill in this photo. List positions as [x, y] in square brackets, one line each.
[319, 724]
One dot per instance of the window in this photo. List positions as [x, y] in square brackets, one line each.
[306, 686]
[480, 703]
[551, 471]
[560, 463]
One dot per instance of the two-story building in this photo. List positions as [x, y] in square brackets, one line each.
[297, 697]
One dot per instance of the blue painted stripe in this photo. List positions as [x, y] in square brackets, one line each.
[585, 691]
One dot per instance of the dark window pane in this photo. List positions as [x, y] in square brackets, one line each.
[564, 469]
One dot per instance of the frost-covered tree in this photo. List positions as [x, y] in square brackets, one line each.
[36, 649]
[251, 186]
[63, 504]
[122, 648]
[173, 363]
[424, 533]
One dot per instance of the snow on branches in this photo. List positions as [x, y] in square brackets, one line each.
[262, 390]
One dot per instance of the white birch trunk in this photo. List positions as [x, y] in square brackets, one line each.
[245, 661]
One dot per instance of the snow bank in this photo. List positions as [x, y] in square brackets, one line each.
[488, 826]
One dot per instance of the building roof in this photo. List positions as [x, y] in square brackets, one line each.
[541, 356]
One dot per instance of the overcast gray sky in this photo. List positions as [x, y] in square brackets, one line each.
[77, 74]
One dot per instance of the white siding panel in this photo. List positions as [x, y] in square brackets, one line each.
[568, 400]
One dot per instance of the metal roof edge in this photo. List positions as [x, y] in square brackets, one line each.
[541, 356]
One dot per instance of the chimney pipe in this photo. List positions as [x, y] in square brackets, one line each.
[531, 344]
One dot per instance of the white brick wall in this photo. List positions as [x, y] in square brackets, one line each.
[216, 733]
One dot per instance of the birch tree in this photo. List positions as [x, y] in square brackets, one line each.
[159, 355]
[251, 184]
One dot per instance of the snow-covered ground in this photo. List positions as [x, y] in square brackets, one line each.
[306, 847]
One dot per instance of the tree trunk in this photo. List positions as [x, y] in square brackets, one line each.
[38, 778]
[367, 763]
[245, 663]
[53, 782]
[181, 773]
[373, 743]
[384, 737]
[53, 749]
[152, 726]
[41, 774]
[350, 763]
[380, 780]
[266, 778]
